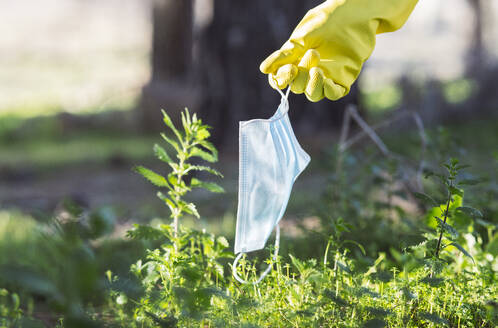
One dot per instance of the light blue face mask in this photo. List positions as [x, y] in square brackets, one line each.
[270, 160]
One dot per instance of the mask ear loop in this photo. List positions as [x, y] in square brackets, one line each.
[267, 270]
[285, 95]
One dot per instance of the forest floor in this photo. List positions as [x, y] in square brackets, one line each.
[96, 170]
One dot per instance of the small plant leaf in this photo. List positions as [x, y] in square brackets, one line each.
[336, 299]
[206, 169]
[185, 121]
[469, 182]
[153, 177]
[222, 241]
[433, 281]
[202, 133]
[383, 276]
[211, 186]
[470, 211]
[448, 228]
[360, 246]
[169, 202]
[161, 154]
[425, 198]
[344, 267]
[378, 311]
[455, 191]
[205, 155]
[462, 166]
[434, 318]
[366, 291]
[408, 294]
[461, 249]
[375, 323]
[171, 142]
[169, 123]
[144, 232]
[191, 209]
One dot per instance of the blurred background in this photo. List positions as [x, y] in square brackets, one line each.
[82, 83]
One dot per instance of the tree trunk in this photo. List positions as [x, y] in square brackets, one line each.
[171, 62]
[476, 54]
[241, 34]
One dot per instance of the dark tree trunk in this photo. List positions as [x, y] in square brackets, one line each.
[241, 34]
[171, 62]
[476, 56]
[172, 39]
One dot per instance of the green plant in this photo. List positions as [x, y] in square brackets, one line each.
[187, 283]
[181, 275]
[190, 143]
[449, 219]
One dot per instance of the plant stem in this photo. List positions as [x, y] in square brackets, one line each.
[175, 226]
[179, 176]
[444, 221]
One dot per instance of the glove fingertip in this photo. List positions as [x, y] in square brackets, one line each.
[332, 90]
[277, 59]
[285, 75]
[314, 88]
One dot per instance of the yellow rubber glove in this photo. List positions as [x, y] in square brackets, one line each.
[326, 51]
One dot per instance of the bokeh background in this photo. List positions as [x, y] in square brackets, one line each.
[82, 83]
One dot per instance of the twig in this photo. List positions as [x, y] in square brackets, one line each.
[362, 134]
[368, 130]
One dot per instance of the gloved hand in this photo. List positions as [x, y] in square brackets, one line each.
[326, 51]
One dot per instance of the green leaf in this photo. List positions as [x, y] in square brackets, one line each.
[492, 246]
[172, 143]
[344, 267]
[207, 156]
[469, 182]
[470, 211]
[366, 291]
[485, 224]
[408, 294]
[202, 133]
[205, 168]
[169, 123]
[336, 299]
[222, 241]
[461, 249]
[191, 209]
[144, 232]
[375, 323]
[433, 281]
[448, 228]
[434, 318]
[425, 198]
[186, 122]
[161, 153]
[171, 204]
[378, 311]
[455, 191]
[211, 186]
[360, 246]
[209, 146]
[152, 176]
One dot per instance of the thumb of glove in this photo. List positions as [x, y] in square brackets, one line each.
[288, 54]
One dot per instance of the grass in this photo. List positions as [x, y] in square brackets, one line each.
[369, 262]
[80, 149]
